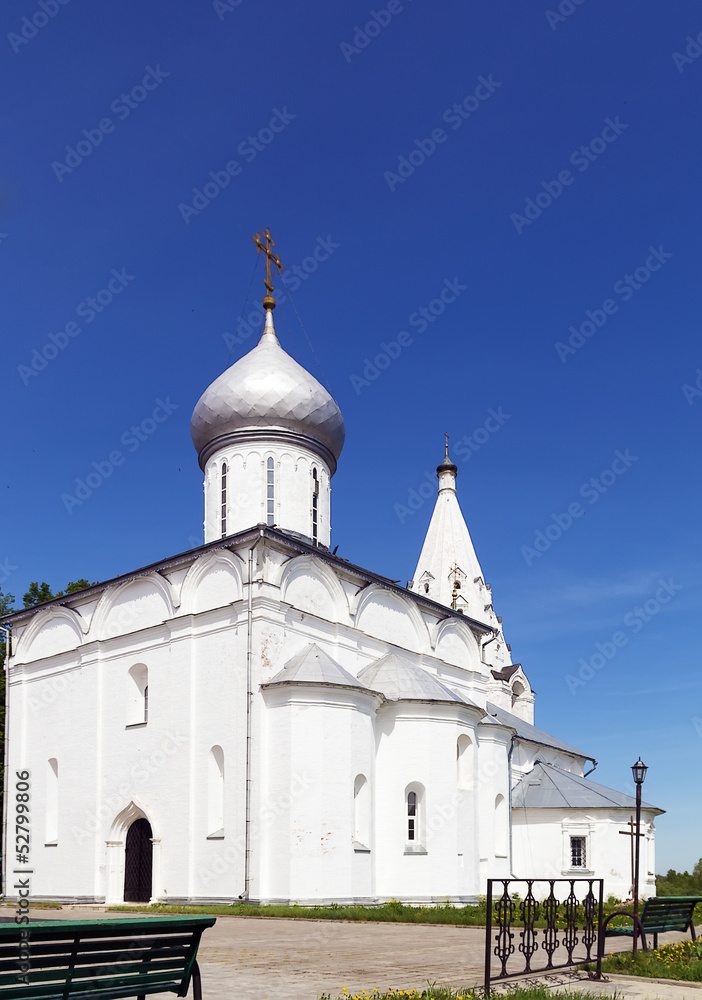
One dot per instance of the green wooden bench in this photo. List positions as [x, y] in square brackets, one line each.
[100, 959]
[659, 914]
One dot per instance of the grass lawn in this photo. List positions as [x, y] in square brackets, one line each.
[392, 912]
[443, 993]
[671, 961]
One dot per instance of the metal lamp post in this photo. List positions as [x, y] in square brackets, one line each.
[639, 772]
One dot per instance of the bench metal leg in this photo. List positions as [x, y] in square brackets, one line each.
[197, 985]
[692, 931]
[655, 941]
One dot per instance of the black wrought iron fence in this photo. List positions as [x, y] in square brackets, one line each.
[559, 923]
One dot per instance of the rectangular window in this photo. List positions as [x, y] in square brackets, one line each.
[577, 852]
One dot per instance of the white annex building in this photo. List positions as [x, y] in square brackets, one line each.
[258, 718]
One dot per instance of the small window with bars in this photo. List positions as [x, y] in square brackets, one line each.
[577, 852]
[223, 499]
[270, 491]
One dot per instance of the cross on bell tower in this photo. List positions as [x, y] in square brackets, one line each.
[271, 258]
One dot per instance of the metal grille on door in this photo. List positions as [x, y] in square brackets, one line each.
[138, 862]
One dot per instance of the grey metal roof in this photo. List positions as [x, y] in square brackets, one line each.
[313, 666]
[291, 542]
[266, 390]
[530, 733]
[550, 787]
[506, 672]
[400, 680]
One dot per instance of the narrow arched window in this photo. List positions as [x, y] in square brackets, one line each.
[517, 692]
[362, 813]
[215, 793]
[315, 504]
[223, 498]
[52, 790]
[415, 819]
[270, 491]
[138, 695]
[412, 818]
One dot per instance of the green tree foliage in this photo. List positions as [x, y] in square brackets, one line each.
[680, 883]
[38, 593]
[76, 585]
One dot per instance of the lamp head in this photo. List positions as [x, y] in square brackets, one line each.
[639, 772]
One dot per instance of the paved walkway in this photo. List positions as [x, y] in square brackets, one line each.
[278, 959]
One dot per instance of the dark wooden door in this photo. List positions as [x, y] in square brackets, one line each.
[137, 862]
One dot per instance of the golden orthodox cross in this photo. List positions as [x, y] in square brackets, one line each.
[271, 258]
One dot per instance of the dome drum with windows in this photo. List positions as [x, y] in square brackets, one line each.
[268, 437]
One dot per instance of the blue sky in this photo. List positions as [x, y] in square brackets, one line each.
[542, 167]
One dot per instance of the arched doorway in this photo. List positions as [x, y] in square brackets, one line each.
[138, 862]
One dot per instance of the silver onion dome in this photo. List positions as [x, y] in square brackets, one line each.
[267, 393]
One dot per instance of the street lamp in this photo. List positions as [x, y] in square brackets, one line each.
[638, 771]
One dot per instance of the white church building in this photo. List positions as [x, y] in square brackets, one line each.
[258, 718]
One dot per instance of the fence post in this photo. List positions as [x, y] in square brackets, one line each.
[488, 938]
[600, 934]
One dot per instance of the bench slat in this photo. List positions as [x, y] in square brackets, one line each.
[23, 992]
[93, 958]
[97, 973]
[65, 942]
[119, 959]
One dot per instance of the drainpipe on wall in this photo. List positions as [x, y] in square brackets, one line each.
[249, 701]
[509, 779]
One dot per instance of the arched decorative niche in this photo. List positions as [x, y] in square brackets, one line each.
[309, 585]
[362, 813]
[213, 581]
[52, 802]
[391, 617]
[52, 631]
[134, 605]
[465, 763]
[215, 793]
[455, 643]
[137, 695]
